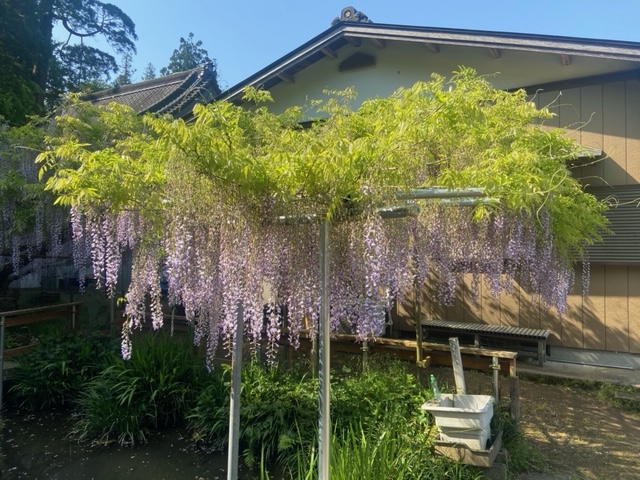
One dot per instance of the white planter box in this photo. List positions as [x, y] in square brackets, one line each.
[474, 439]
[463, 412]
[463, 419]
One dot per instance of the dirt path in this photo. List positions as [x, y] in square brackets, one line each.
[579, 435]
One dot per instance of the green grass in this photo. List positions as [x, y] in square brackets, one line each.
[394, 449]
[523, 457]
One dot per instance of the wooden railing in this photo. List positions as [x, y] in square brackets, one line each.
[27, 316]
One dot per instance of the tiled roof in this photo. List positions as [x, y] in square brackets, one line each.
[174, 94]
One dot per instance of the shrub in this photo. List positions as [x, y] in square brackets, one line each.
[155, 388]
[386, 389]
[53, 373]
[278, 412]
[209, 418]
[279, 409]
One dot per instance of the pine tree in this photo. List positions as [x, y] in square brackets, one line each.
[188, 55]
[149, 72]
[127, 71]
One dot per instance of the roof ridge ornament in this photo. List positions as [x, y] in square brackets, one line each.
[350, 14]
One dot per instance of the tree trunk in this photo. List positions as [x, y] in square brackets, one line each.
[41, 68]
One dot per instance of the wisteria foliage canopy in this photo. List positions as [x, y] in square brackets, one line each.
[201, 204]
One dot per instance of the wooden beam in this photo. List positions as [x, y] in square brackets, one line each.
[495, 53]
[285, 77]
[355, 41]
[432, 47]
[378, 42]
[565, 59]
[329, 52]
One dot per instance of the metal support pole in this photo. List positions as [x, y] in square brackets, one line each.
[1, 358]
[314, 354]
[324, 431]
[418, 320]
[365, 355]
[234, 410]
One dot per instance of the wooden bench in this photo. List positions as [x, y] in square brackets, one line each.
[483, 335]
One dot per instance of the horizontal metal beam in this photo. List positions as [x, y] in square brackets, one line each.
[468, 197]
[424, 193]
[399, 212]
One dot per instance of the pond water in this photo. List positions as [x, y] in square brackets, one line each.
[35, 446]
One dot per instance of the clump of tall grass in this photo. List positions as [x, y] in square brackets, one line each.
[58, 367]
[395, 449]
[155, 388]
[523, 457]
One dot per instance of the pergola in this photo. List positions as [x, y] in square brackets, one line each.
[464, 197]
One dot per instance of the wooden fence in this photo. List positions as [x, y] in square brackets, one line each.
[28, 316]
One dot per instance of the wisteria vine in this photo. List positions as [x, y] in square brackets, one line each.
[225, 211]
[216, 264]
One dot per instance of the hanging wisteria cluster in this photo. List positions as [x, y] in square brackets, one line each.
[34, 233]
[230, 259]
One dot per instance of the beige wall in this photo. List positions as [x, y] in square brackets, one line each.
[607, 117]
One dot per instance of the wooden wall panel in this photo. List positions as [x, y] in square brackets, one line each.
[591, 132]
[634, 309]
[430, 306]
[510, 312]
[572, 335]
[550, 320]
[616, 302]
[529, 309]
[614, 128]
[455, 312]
[632, 115]
[472, 305]
[594, 310]
[569, 113]
[491, 306]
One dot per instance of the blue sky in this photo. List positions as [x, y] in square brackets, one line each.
[245, 36]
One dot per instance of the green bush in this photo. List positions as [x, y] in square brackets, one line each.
[279, 409]
[53, 373]
[209, 418]
[385, 389]
[278, 412]
[155, 388]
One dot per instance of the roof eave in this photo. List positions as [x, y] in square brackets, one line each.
[610, 49]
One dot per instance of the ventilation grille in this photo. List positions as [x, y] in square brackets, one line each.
[623, 245]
